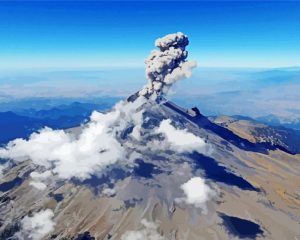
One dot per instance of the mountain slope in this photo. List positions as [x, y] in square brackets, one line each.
[252, 187]
[257, 132]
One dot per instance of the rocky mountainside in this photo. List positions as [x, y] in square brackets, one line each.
[225, 186]
[257, 132]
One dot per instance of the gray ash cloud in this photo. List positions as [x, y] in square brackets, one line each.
[167, 65]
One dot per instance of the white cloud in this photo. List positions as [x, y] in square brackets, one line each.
[95, 148]
[38, 185]
[38, 178]
[181, 140]
[148, 232]
[196, 192]
[109, 192]
[37, 226]
[136, 132]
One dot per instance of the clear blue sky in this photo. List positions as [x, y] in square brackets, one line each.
[71, 34]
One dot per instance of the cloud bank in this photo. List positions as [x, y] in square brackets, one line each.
[180, 140]
[67, 156]
[37, 226]
[148, 232]
[95, 148]
[167, 65]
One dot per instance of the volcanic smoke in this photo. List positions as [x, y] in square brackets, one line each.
[167, 65]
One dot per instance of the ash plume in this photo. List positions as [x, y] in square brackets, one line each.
[167, 65]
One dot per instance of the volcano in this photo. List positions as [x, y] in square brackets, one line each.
[150, 169]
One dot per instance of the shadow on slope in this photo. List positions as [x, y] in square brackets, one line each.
[219, 173]
[241, 228]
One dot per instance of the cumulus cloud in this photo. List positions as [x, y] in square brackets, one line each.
[38, 185]
[148, 232]
[196, 192]
[38, 178]
[181, 140]
[109, 192]
[167, 65]
[37, 226]
[95, 148]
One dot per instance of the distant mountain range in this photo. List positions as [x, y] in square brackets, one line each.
[273, 120]
[29, 106]
[22, 122]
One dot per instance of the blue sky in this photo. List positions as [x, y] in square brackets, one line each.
[103, 34]
[76, 49]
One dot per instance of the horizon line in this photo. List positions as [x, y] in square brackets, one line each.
[121, 67]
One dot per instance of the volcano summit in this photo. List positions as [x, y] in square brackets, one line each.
[149, 169]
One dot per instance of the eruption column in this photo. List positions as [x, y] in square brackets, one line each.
[167, 65]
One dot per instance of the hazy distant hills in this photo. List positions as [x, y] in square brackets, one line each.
[23, 119]
[35, 106]
[20, 123]
[270, 95]
[273, 120]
